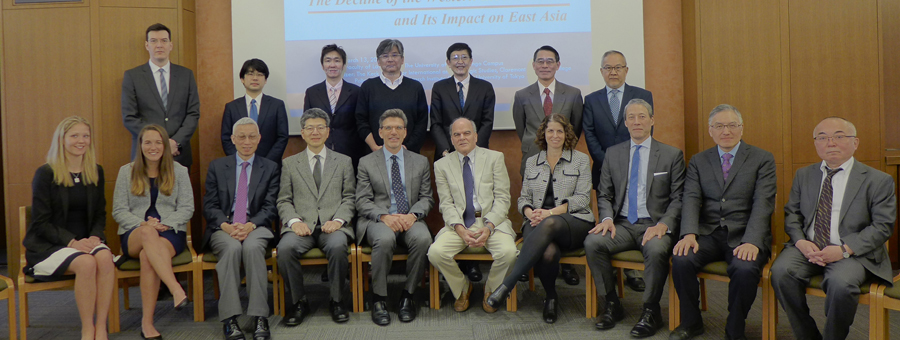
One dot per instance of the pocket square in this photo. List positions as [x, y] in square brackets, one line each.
[659, 173]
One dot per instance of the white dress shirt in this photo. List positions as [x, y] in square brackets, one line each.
[167, 75]
[839, 186]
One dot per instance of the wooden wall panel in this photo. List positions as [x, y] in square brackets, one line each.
[890, 27]
[140, 4]
[694, 128]
[664, 65]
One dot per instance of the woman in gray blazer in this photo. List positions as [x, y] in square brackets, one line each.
[152, 203]
[557, 216]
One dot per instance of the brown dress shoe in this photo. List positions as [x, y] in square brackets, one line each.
[484, 305]
[462, 303]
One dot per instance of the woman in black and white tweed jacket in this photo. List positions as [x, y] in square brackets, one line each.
[557, 216]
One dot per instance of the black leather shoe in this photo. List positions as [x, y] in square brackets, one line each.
[380, 315]
[570, 276]
[523, 278]
[635, 283]
[685, 333]
[407, 312]
[550, 310]
[158, 337]
[338, 312]
[650, 322]
[496, 298]
[614, 313]
[232, 330]
[296, 314]
[473, 272]
[324, 277]
[262, 329]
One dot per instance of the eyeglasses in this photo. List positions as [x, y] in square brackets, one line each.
[393, 128]
[390, 56]
[254, 74]
[835, 138]
[458, 57]
[545, 61]
[318, 128]
[617, 68]
[731, 126]
[242, 138]
[163, 40]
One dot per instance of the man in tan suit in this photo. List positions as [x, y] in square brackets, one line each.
[473, 187]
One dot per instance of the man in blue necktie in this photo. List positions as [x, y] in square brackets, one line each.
[268, 112]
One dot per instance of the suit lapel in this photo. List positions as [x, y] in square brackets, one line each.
[230, 187]
[328, 172]
[456, 174]
[472, 92]
[814, 183]
[255, 177]
[455, 94]
[482, 173]
[604, 101]
[742, 154]
[305, 173]
[265, 105]
[385, 178]
[342, 98]
[148, 76]
[627, 95]
[407, 170]
[854, 183]
[559, 98]
[716, 165]
[651, 165]
[536, 100]
[624, 166]
[242, 109]
[174, 77]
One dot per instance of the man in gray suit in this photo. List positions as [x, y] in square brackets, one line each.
[839, 216]
[392, 206]
[162, 93]
[239, 207]
[316, 205]
[639, 199]
[729, 197]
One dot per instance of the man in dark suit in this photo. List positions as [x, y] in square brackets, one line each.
[639, 199]
[839, 216]
[603, 122]
[337, 97]
[316, 204]
[161, 93]
[392, 205]
[239, 207]
[268, 112]
[461, 95]
[729, 197]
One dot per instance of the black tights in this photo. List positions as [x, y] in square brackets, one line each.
[541, 250]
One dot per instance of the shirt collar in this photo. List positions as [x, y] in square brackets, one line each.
[620, 88]
[241, 160]
[388, 154]
[311, 156]
[249, 99]
[645, 144]
[733, 151]
[471, 155]
[847, 166]
[336, 87]
[552, 87]
[155, 68]
[465, 82]
[388, 82]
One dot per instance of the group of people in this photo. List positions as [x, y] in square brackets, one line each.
[839, 214]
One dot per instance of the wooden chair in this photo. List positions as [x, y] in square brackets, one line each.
[208, 261]
[576, 257]
[886, 299]
[634, 259]
[363, 257]
[316, 257]
[8, 293]
[468, 254]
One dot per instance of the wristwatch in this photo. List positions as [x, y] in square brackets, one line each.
[846, 254]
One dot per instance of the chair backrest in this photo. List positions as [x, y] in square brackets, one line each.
[24, 221]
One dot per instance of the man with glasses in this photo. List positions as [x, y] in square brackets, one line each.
[316, 205]
[268, 112]
[729, 197]
[839, 216]
[392, 90]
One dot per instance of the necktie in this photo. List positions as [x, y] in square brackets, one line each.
[462, 99]
[240, 199]
[397, 187]
[317, 171]
[163, 88]
[726, 165]
[614, 105]
[469, 182]
[548, 104]
[254, 112]
[633, 185]
[332, 98]
[823, 211]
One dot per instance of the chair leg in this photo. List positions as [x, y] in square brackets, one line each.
[435, 288]
[23, 313]
[125, 288]
[703, 306]
[674, 307]
[531, 279]
[589, 309]
[113, 319]
[620, 282]
[199, 300]
[11, 310]
[190, 286]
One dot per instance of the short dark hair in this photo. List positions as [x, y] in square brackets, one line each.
[386, 45]
[156, 27]
[255, 65]
[392, 113]
[459, 47]
[545, 48]
[314, 113]
[333, 48]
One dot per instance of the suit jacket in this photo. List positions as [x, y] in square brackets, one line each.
[528, 113]
[492, 182]
[665, 183]
[49, 215]
[273, 126]
[344, 136]
[744, 203]
[176, 209]
[571, 183]
[479, 107]
[600, 131]
[373, 188]
[868, 212]
[298, 197]
[142, 105]
[221, 186]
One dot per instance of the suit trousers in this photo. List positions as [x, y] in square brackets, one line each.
[790, 275]
[502, 247]
[252, 253]
[599, 249]
[384, 241]
[292, 247]
[745, 276]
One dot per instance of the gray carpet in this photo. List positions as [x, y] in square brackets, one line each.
[54, 316]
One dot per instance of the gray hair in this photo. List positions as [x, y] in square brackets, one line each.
[312, 114]
[851, 129]
[641, 102]
[725, 107]
[244, 121]
[474, 128]
[392, 113]
[608, 53]
[386, 45]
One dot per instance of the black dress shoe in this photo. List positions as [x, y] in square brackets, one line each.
[262, 329]
[473, 272]
[614, 313]
[232, 330]
[380, 314]
[523, 278]
[570, 276]
[550, 310]
[650, 322]
[324, 277]
[496, 298]
[635, 283]
[296, 314]
[685, 333]
[158, 337]
[338, 312]
[407, 312]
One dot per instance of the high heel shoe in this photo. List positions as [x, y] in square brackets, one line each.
[498, 296]
[158, 337]
[182, 304]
